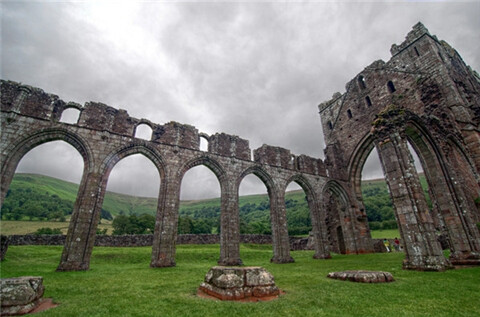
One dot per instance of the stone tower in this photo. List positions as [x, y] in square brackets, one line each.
[427, 96]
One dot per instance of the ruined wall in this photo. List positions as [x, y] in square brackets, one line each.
[427, 96]
[104, 135]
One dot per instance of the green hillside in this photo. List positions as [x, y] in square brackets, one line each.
[378, 203]
[38, 197]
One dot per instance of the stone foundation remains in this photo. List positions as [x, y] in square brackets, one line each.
[362, 276]
[20, 295]
[239, 283]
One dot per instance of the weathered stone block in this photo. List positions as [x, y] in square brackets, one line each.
[239, 283]
[20, 295]
[362, 276]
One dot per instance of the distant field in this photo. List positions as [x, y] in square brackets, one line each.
[8, 227]
[385, 234]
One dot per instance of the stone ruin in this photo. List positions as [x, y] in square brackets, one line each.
[424, 95]
[20, 295]
[361, 276]
[239, 283]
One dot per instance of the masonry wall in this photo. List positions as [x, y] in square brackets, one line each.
[425, 96]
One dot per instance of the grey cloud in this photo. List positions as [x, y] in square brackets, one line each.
[257, 70]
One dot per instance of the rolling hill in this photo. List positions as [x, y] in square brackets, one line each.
[38, 197]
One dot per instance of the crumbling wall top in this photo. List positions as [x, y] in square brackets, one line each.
[229, 145]
[417, 31]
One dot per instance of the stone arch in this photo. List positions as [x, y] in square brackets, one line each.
[316, 215]
[305, 185]
[338, 190]
[208, 162]
[262, 174]
[229, 215]
[136, 148]
[23, 145]
[357, 161]
[280, 241]
[336, 203]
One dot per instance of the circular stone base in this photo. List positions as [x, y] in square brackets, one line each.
[362, 276]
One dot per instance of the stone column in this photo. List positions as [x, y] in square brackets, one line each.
[319, 231]
[278, 218]
[83, 224]
[361, 231]
[463, 233]
[229, 224]
[422, 250]
[166, 223]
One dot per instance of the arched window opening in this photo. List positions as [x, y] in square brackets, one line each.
[203, 144]
[330, 125]
[132, 195]
[298, 211]
[416, 51]
[368, 101]
[361, 82]
[44, 188]
[199, 202]
[391, 87]
[70, 115]
[143, 131]
[254, 206]
[349, 114]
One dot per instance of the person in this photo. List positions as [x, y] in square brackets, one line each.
[386, 243]
[396, 244]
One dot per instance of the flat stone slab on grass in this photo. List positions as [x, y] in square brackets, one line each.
[239, 283]
[362, 276]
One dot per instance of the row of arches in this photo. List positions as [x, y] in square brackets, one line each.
[96, 174]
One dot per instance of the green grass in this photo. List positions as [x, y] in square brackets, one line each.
[120, 283]
[385, 234]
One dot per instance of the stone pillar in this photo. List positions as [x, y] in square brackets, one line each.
[422, 250]
[319, 231]
[459, 218]
[83, 224]
[166, 223]
[229, 225]
[472, 140]
[361, 231]
[452, 210]
[278, 218]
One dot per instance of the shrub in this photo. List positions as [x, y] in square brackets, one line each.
[48, 231]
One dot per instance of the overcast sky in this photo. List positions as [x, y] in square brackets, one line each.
[256, 70]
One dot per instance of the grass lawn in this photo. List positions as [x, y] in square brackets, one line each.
[121, 283]
[385, 234]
